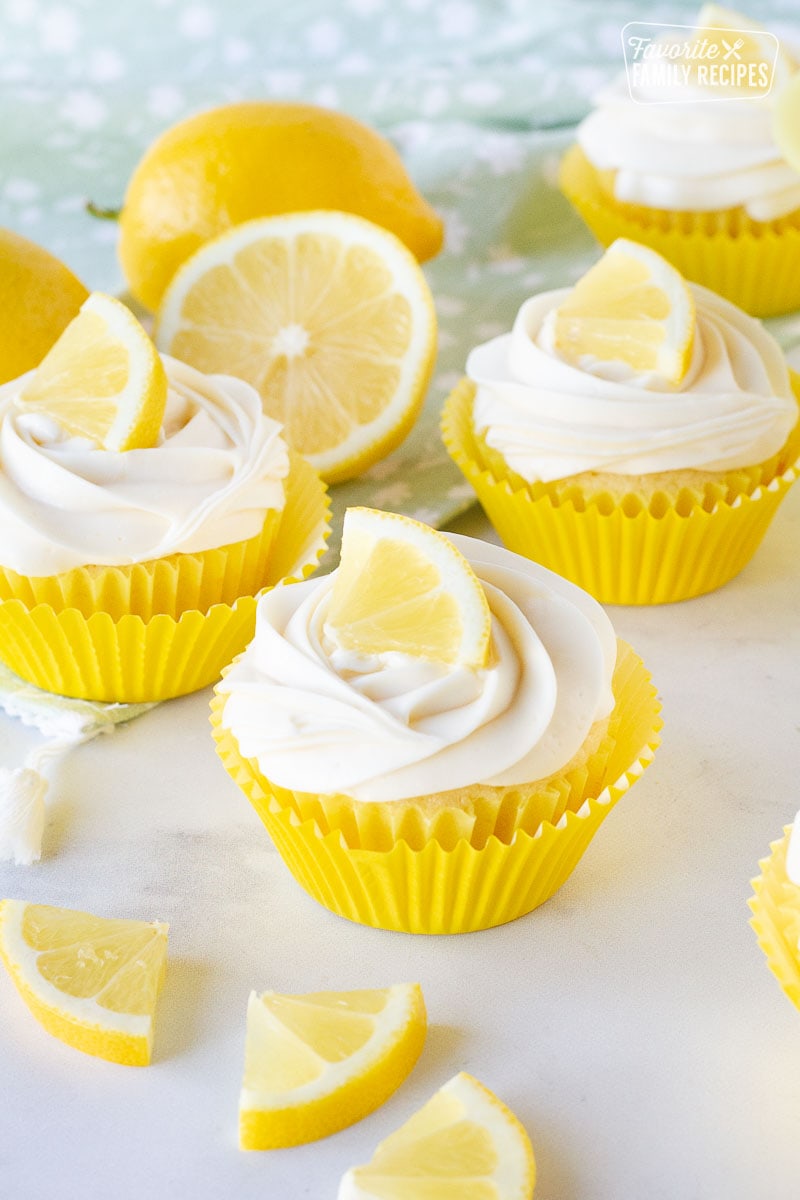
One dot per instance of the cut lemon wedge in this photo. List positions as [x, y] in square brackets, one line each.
[102, 380]
[317, 1063]
[91, 982]
[786, 121]
[327, 315]
[402, 586]
[632, 308]
[751, 46]
[462, 1145]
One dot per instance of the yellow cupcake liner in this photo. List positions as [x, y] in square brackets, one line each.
[637, 550]
[128, 659]
[170, 585]
[776, 918]
[473, 813]
[455, 885]
[754, 264]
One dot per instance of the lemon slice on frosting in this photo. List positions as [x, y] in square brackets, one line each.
[317, 1063]
[464, 1144]
[632, 307]
[102, 380]
[91, 982]
[742, 45]
[402, 586]
[786, 121]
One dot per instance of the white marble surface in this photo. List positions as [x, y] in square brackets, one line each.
[631, 1022]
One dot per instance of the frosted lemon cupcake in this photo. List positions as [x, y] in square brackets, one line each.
[180, 521]
[703, 180]
[635, 433]
[776, 910]
[433, 732]
[131, 531]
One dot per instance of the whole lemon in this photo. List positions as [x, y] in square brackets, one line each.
[39, 296]
[257, 159]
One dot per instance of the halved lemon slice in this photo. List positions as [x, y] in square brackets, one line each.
[102, 380]
[402, 586]
[464, 1144]
[327, 315]
[90, 981]
[632, 307]
[317, 1063]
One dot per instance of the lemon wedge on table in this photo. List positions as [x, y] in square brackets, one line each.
[317, 1063]
[328, 316]
[632, 307]
[464, 1144]
[102, 380]
[90, 981]
[403, 586]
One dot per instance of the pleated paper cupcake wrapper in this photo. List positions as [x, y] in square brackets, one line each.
[473, 813]
[456, 887]
[673, 490]
[776, 918]
[756, 266]
[131, 660]
[621, 551]
[170, 585]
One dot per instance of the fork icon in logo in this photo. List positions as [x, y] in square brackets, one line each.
[732, 49]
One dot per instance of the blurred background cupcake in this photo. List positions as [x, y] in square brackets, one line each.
[634, 433]
[698, 175]
[134, 492]
[776, 910]
[433, 733]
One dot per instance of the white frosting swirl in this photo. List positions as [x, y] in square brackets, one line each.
[550, 419]
[700, 156]
[65, 502]
[392, 727]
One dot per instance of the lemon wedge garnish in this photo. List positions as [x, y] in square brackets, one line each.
[739, 42]
[463, 1143]
[328, 316]
[786, 121]
[90, 981]
[102, 380]
[402, 586]
[632, 307]
[317, 1063]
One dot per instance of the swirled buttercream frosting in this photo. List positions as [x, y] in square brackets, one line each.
[703, 155]
[550, 419]
[391, 727]
[217, 469]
